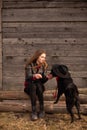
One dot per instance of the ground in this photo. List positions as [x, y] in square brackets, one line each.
[22, 121]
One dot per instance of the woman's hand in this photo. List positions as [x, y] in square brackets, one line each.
[37, 76]
[49, 76]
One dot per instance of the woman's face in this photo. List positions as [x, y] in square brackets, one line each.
[41, 58]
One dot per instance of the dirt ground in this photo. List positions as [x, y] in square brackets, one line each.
[22, 121]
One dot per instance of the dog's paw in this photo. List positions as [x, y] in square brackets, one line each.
[80, 118]
[55, 102]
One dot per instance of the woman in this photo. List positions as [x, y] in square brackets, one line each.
[35, 78]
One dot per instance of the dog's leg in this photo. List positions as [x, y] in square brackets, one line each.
[77, 104]
[58, 96]
[71, 114]
[57, 99]
[69, 109]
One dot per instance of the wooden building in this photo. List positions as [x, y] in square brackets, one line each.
[58, 26]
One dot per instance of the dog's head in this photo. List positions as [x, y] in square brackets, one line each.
[60, 70]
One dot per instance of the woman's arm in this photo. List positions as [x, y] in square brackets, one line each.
[28, 73]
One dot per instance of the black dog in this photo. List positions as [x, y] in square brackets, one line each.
[67, 87]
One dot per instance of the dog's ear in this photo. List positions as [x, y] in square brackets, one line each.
[54, 70]
[60, 70]
[63, 69]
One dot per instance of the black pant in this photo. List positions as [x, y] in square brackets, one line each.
[37, 90]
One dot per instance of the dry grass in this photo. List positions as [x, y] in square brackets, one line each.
[21, 121]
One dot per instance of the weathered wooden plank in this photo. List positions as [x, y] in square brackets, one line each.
[49, 30]
[69, 60]
[40, 14]
[49, 107]
[75, 68]
[21, 108]
[48, 95]
[72, 67]
[60, 60]
[15, 73]
[81, 91]
[69, 53]
[11, 64]
[81, 82]
[43, 3]
[13, 83]
[79, 74]
[15, 96]
[58, 49]
[17, 83]
[29, 49]
[44, 35]
[27, 100]
[48, 41]
[46, 26]
[61, 108]
[60, 53]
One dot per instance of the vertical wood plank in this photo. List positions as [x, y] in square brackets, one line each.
[0, 4]
[0, 47]
[0, 20]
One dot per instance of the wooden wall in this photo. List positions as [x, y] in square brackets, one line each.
[0, 47]
[58, 27]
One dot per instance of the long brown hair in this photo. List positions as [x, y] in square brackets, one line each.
[34, 58]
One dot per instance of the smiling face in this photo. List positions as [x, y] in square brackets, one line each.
[41, 59]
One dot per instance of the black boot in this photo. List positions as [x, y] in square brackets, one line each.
[42, 112]
[34, 114]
